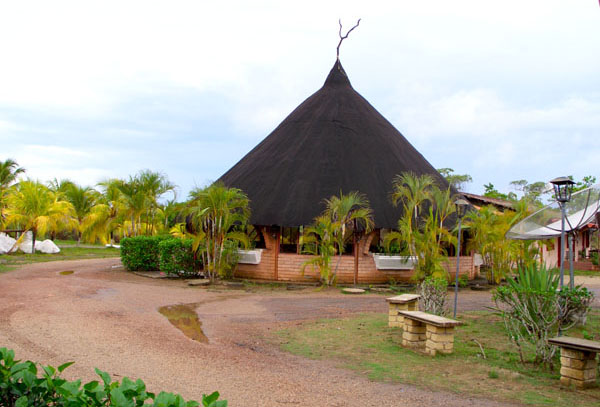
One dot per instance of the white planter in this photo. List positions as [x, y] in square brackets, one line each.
[385, 262]
[249, 256]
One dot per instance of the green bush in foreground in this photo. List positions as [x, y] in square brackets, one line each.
[176, 257]
[22, 386]
[141, 253]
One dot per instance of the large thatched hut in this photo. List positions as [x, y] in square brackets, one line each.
[334, 141]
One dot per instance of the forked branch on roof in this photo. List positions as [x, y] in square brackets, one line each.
[343, 37]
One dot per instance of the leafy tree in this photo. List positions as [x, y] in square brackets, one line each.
[319, 241]
[154, 185]
[492, 192]
[586, 182]
[33, 207]
[219, 215]
[83, 200]
[426, 235]
[457, 181]
[348, 213]
[9, 171]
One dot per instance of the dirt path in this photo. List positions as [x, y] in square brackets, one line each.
[101, 316]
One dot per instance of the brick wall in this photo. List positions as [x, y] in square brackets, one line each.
[289, 268]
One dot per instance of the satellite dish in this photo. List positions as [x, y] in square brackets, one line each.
[546, 223]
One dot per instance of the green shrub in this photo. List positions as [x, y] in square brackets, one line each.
[177, 257]
[433, 295]
[534, 310]
[140, 253]
[594, 258]
[22, 386]
[463, 281]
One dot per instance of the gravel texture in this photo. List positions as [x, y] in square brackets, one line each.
[101, 316]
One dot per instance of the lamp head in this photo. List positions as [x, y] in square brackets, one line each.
[562, 188]
[461, 207]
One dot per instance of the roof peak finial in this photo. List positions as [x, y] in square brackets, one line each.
[343, 37]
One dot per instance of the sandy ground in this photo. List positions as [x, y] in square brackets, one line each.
[101, 316]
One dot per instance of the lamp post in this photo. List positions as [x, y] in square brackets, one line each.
[461, 209]
[562, 193]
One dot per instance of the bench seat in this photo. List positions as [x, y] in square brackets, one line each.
[427, 331]
[578, 362]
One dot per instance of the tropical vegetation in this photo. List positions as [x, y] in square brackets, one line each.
[345, 217]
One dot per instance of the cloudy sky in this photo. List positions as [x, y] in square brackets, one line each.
[500, 90]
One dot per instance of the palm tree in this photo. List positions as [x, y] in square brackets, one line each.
[106, 217]
[413, 192]
[83, 199]
[219, 215]
[319, 241]
[9, 171]
[154, 185]
[134, 201]
[349, 213]
[33, 207]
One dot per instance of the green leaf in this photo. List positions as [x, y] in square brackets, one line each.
[104, 376]
[49, 371]
[64, 366]
[70, 388]
[118, 399]
[22, 402]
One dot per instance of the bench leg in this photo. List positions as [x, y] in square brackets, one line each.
[578, 368]
[439, 340]
[413, 334]
[395, 320]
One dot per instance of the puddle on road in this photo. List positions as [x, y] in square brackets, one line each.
[184, 318]
[66, 272]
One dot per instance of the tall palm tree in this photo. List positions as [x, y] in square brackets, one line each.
[83, 199]
[107, 217]
[33, 207]
[413, 192]
[9, 171]
[219, 214]
[134, 201]
[154, 185]
[349, 213]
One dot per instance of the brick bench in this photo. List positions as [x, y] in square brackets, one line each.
[404, 302]
[578, 363]
[428, 332]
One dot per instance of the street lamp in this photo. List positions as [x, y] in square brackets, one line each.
[562, 192]
[461, 209]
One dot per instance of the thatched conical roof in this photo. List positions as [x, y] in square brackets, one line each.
[334, 141]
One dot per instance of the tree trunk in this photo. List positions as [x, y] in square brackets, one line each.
[33, 233]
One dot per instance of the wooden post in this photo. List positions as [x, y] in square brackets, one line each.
[356, 250]
[276, 262]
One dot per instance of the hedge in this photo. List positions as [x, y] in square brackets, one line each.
[176, 257]
[22, 384]
[141, 253]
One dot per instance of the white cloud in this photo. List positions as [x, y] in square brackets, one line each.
[496, 89]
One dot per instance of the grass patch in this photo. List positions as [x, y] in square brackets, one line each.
[10, 261]
[71, 242]
[588, 273]
[366, 344]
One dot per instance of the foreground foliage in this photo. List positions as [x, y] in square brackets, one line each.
[22, 384]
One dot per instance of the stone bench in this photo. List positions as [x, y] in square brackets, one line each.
[404, 302]
[428, 332]
[578, 363]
